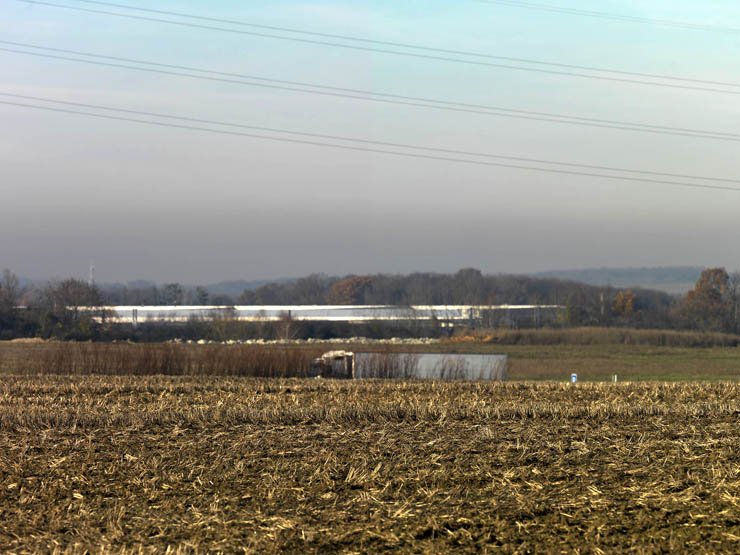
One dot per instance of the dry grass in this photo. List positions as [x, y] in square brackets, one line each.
[196, 464]
[165, 359]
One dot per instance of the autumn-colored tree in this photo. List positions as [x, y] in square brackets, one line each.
[707, 305]
[624, 304]
[349, 291]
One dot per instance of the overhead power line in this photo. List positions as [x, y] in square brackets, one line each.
[373, 96]
[601, 74]
[364, 141]
[308, 140]
[511, 3]
[608, 15]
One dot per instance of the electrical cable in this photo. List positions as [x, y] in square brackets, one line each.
[364, 95]
[365, 141]
[385, 151]
[603, 15]
[560, 73]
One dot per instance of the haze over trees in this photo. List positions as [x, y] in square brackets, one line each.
[588, 304]
[56, 309]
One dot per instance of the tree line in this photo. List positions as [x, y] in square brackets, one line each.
[44, 311]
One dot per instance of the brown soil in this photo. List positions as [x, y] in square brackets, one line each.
[267, 466]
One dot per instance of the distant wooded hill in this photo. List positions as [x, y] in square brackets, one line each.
[237, 287]
[675, 280]
[672, 279]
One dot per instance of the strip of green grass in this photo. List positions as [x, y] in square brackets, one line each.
[630, 363]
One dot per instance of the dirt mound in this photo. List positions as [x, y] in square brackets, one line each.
[28, 340]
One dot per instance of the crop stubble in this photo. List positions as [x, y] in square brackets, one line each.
[230, 464]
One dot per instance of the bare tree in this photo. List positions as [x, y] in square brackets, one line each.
[173, 294]
[201, 296]
[70, 308]
[9, 295]
[285, 328]
[733, 298]
[9, 291]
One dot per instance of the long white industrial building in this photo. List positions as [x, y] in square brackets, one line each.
[313, 313]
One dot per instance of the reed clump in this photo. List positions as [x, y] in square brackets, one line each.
[170, 359]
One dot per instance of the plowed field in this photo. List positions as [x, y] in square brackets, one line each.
[262, 466]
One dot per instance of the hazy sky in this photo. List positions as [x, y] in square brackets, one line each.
[179, 205]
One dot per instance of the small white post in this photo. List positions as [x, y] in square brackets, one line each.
[574, 378]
